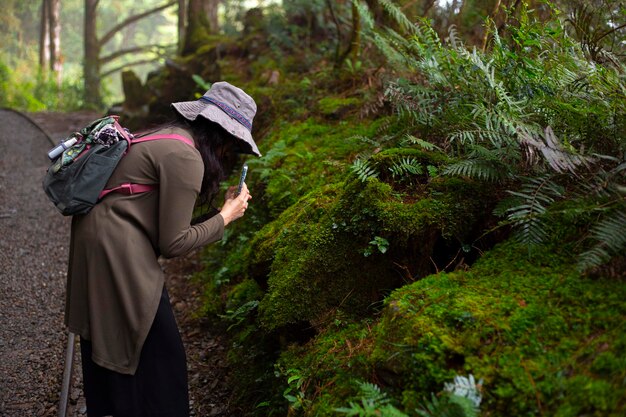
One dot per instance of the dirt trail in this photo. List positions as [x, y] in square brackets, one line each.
[34, 242]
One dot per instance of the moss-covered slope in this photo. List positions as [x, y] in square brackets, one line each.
[544, 340]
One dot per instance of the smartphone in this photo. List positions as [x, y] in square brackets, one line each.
[242, 178]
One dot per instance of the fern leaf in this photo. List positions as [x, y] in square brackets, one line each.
[610, 235]
[479, 169]
[557, 158]
[406, 166]
[421, 143]
[391, 53]
[398, 15]
[364, 170]
[364, 13]
[528, 217]
[453, 37]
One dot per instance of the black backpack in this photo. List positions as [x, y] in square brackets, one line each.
[84, 161]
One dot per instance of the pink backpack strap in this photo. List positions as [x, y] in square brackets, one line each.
[130, 188]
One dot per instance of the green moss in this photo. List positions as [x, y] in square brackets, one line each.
[543, 339]
[527, 330]
[244, 292]
[318, 256]
[331, 363]
[336, 107]
[302, 156]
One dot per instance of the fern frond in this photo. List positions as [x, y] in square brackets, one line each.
[370, 391]
[449, 405]
[428, 35]
[391, 54]
[479, 135]
[366, 139]
[406, 166]
[364, 13]
[610, 235]
[453, 37]
[480, 169]
[373, 403]
[608, 184]
[364, 170]
[466, 387]
[410, 139]
[489, 74]
[528, 219]
[398, 15]
[552, 151]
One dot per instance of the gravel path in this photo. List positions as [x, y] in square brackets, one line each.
[34, 242]
[33, 254]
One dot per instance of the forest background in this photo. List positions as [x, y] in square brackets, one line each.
[440, 212]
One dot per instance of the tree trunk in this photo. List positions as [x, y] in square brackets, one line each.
[56, 65]
[182, 13]
[44, 38]
[428, 5]
[93, 45]
[92, 53]
[201, 22]
[211, 11]
[355, 38]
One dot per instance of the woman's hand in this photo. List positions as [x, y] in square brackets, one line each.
[231, 192]
[235, 206]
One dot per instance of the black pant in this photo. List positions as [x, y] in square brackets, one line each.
[159, 386]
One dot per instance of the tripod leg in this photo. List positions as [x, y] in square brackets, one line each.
[67, 374]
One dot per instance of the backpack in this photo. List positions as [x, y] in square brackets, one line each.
[84, 161]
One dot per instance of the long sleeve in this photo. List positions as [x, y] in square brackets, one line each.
[180, 178]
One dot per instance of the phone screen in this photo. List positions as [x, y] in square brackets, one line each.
[242, 178]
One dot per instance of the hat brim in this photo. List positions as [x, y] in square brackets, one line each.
[190, 110]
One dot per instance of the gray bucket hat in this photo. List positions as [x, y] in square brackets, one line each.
[228, 106]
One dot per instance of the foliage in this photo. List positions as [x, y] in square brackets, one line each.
[363, 169]
[384, 169]
[594, 25]
[373, 403]
[459, 399]
[21, 91]
[527, 208]
[609, 230]
[375, 196]
[34, 90]
[512, 115]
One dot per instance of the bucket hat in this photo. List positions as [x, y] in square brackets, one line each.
[228, 106]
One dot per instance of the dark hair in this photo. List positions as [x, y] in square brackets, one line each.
[217, 149]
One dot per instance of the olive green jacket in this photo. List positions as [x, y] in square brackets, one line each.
[114, 278]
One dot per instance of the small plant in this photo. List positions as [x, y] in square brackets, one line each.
[412, 140]
[240, 314]
[379, 243]
[363, 169]
[373, 403]
[466, 387]
[204, 85]
[353, 68]
[460, 398]
[405, 167]
[295, 392]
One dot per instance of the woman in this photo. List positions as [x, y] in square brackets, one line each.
[134, 363]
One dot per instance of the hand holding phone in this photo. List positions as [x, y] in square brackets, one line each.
[242, 178]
